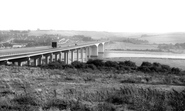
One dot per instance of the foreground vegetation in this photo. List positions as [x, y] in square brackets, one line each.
[117, 67]
[93, 86]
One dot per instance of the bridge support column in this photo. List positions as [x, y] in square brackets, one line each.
[82, 54]
[40, 60]
[51, 57]
[35, 62]
[101, 50]
[66, 57]
[77, 54]
[28, 61]
[60, 56]
[19, 63]
[56, 56]
[46, 59]
[72, 56]
[89, 52]
[94, 51]
[13, 62]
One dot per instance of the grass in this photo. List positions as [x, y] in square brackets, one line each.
[85, 91]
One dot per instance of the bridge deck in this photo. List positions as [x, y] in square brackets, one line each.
[31, 51]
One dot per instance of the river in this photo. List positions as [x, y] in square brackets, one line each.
[142, 54]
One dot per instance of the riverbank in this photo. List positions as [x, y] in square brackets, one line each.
[171, 59]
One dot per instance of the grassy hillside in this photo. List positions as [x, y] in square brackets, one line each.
[151, 37]
[32, 89]
[165, 38]
[93, 34]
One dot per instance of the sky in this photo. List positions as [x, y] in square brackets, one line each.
[93, 15]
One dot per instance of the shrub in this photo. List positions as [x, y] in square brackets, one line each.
[155, 64]
[165, 68]
[91, 66]
[78, 64]
[67, 66]
[96, 62]
[155, 69]
[144, 69]
[175, 70]
[146, 64]
[55, 65]
[111, 64]
[127, 63]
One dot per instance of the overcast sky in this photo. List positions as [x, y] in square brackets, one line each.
[94, 15]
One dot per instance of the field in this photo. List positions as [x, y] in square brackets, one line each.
[130, 46]
[165, 38]
[75, 90]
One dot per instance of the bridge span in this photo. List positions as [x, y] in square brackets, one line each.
[38, 56]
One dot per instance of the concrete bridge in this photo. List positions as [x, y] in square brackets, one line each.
[35, 56]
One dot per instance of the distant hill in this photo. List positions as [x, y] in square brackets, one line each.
[164, 38]
[159, 38]
[93, 34]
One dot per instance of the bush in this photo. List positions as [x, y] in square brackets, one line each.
[155, 64]
[67, 66]
[175, 70]
[146, 64]
[91, 66]
[165, 68]
[78, 64]
[111, 64]
[144, 69]
[96, 62]
[127, 63]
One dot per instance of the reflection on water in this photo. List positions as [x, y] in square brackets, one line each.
[111, 54]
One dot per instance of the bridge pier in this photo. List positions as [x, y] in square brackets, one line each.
[46, 58]
[13, 62]
[19, 63]
[82, 54]
[72, 56]
[37, 60]
[66, 53]
[60, 56]
[40, 60]
[51, 57]
[101, 50]
[57, 56]
[28, 61]
[89, 53]
[77, 54]
[94, 51]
